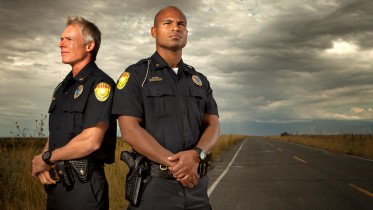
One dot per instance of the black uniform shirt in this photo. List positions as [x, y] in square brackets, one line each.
[81, 102]
[171, 106]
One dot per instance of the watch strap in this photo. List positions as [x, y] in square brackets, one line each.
[199, 152]
[46, 156]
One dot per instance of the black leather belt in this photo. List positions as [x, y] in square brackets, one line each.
[160, 171]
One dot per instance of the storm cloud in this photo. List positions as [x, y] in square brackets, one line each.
[267, 61]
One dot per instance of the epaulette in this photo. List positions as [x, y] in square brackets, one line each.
[145, 60]
[137, 65]
[189, 66]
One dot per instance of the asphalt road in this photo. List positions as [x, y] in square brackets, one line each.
[262, 174]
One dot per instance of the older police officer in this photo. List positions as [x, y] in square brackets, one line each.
[82, 131]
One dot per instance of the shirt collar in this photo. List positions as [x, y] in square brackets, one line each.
[83, 74]
[160, 63]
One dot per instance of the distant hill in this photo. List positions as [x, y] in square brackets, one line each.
[309, 127]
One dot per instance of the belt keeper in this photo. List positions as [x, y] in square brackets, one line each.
[162, 167]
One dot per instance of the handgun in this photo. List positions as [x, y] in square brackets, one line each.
[128, 158]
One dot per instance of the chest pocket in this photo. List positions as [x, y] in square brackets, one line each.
[73, 111]
[159, 100]
[198, 99]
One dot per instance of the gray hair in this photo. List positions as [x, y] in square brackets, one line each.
[89, 31]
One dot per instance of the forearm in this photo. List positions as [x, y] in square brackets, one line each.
[142, 141]
[88, 141]
[46, 146]
[211, 134]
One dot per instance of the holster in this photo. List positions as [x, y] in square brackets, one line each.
[138, 176]
[204, 166]
[64, 173]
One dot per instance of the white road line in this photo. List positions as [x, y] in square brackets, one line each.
[362, 190]
[212, 187]
[361, 158]
[299, 159]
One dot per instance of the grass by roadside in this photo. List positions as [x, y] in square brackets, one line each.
[19, 190]
[360, 145]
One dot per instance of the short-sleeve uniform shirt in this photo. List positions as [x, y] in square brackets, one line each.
[170, 105]
[81, 102]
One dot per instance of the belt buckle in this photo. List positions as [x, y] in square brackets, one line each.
[162, 167]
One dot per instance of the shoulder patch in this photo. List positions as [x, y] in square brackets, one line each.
[123, 79]
[102, 91]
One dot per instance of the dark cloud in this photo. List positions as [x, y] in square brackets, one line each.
[276, 61]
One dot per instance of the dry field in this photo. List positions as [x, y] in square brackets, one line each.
[360, 145]
[19, 190]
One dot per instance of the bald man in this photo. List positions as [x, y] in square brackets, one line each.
[167, 113]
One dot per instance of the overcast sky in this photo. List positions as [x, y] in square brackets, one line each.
[267, 60]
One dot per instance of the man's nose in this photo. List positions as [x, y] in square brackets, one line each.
[176, 27]
[61, 44]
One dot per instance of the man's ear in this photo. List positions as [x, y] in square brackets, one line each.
[89, 47]
[153, 32]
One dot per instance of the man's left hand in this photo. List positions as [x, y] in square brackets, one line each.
[38, 165]
[185, 169]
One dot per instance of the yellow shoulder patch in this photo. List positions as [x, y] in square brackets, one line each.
[123, 79]
[102, 91]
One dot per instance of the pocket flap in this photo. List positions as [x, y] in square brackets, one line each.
[198, 92]
[157, 91]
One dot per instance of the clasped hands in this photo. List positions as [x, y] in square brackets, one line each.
[41, 170]
[184, 167]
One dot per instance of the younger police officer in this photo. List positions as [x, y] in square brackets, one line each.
[166, 112]
[82, 132]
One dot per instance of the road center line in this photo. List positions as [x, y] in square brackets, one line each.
[362, 190]
[212, 187]
[299, 159]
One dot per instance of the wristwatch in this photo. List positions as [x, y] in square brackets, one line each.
[201, 154]
[46, 156]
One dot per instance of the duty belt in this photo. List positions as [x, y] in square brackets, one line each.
[161, 171]
[82, 168]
